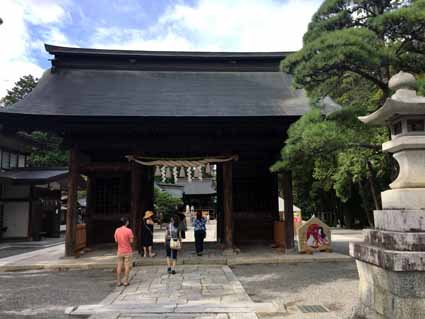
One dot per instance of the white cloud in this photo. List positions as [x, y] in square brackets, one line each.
[209, 25]
[42, 11]
[219, 25]
[15, 53]
[134, 39]
[245, 25]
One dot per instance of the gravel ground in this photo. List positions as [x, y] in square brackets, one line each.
[45, 295]
[333, 285]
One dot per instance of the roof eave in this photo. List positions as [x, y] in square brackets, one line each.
[53, 49]
[391, 109]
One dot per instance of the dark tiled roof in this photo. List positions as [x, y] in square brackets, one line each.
[92, 92]
[198, 187]
[32, 175]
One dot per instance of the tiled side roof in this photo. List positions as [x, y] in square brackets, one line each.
[33, 175]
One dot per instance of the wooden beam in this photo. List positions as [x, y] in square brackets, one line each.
[228, 203]
[71, 215]
[288, 208]
[105, 167]
[135, 202]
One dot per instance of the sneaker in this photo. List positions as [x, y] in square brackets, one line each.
[173, 272]
[169, 270]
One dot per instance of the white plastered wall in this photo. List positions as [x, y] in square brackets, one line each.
[16, 218]
[15, 213]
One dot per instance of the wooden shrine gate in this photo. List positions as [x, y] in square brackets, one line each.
[107, 104]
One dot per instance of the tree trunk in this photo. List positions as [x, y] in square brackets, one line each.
[368, 211]
[372, 184]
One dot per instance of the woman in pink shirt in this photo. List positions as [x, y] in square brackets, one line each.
[124, 238]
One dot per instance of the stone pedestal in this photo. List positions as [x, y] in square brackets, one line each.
[391, 267]
[391, 260]
[389, 294]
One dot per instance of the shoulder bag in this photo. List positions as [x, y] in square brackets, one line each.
[175, 244]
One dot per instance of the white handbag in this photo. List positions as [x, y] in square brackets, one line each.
[175, 244]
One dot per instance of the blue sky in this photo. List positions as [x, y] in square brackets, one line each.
[179, 25]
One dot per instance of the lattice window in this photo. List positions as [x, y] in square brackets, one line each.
[111, 196]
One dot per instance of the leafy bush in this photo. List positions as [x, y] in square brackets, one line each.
[165, 204]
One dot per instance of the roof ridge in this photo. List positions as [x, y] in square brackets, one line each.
[54, 49]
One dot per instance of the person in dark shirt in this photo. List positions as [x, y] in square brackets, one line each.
[172, 234]
[147, 234]
[182, 221]
[200, 232]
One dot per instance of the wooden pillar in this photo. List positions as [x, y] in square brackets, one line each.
[30, 215]
[289, 208]
[135, 203]
[71, 214]
[228, 203]
[146, 198]
[89, 209]
[149, 189]
[219, 208]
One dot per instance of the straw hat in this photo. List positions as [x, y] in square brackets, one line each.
[148, 214]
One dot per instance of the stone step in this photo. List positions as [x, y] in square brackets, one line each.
[207, 308]
[178, 316]
[391, 240]
[402, 220]
[388, 259]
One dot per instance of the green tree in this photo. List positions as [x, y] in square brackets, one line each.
[21, 89]
[165, 203]
[371, 39]
[350, 51]
[52, 153]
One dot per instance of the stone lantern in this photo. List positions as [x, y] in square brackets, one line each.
[391, 260]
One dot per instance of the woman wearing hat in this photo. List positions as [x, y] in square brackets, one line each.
[147, 234]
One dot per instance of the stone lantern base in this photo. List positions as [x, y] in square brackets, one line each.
[391, 265]
[386, 294]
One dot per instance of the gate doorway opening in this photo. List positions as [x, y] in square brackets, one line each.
[198, 195]
[196, 182]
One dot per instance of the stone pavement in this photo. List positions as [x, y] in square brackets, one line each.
[104, 257]
[211, 292]
[12, 248]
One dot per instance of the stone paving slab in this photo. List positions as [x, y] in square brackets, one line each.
[190, 316]
[194, 292]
